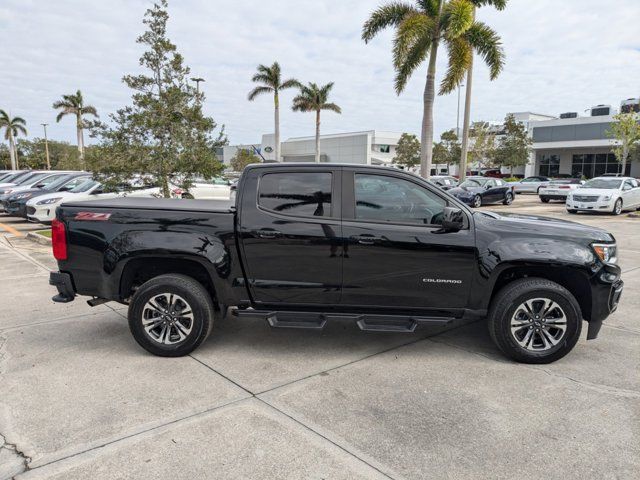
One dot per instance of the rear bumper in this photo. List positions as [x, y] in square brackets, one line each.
[62, 281]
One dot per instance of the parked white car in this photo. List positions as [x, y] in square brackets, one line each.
[605, 194]
[216, 188]
[559, 189]
[43, 208]
[39, 180]
[530, 184]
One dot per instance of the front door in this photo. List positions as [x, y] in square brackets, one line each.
[291, 236]
[396, 254]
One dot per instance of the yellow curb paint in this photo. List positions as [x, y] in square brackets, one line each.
[11, 230]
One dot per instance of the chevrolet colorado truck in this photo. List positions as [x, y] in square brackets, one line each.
[307, 244]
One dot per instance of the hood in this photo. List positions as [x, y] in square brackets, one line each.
[48, 195]
[536, 226]
[595, 191]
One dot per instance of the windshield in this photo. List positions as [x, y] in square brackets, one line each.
[84, 186]
[30, 179]
[474, 182]
[58, 183]
[7, 177]
[606, 183]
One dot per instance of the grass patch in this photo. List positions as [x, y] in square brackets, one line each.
[44, 233]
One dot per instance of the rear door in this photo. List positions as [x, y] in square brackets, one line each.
[291, 235]
[396, 255]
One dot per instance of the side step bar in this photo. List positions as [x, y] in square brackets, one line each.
[366, 322]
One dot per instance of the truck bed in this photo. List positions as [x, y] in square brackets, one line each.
[149, 203]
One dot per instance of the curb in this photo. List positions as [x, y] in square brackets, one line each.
[34, 237]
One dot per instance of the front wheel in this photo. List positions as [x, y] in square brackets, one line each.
[533, 320]
[171, 315]
[617, 207]
[544, 199]
[572, 212]
[477, 201]
[508, 199]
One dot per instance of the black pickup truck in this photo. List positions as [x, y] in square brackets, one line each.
[303, 245]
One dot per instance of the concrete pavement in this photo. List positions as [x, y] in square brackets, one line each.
[80, 399]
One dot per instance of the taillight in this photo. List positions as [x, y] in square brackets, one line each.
[566, 188]
[59, 239]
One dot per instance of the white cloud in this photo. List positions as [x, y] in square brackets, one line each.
[561, 56]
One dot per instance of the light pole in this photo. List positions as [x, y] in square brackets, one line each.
[46, 145]
[197, 80]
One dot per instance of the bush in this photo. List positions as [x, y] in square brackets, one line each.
[511, 179]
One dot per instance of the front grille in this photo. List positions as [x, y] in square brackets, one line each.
[31, 210]
[585, 198]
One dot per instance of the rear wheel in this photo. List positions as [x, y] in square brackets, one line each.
[171, 315]
[544, 199]
[617, 207]
[533, 320]
[187, 196]
[573, 212]
[477, 201]
[508, 199]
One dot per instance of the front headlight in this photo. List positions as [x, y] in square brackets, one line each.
[606, 198]
[20, 196]
[49, 201]
[606, 252]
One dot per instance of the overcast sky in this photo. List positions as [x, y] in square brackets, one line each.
[562, 55]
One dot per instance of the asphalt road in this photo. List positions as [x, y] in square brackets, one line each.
[79, 399]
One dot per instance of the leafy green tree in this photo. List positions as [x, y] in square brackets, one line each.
[242, 158]
[626, 130]
[447, 150]
[270, 80]
[314, 98]
[407, 151]
[421, 27]
[63, 155]
[12, 128]
[163, 135]
[514, 147]
[74, 105]
[484, 144]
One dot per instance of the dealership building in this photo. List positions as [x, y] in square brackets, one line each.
[569, 144]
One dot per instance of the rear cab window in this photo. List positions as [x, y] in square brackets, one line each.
[303, 194]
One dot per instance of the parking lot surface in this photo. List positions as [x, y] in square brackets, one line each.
[80, 399]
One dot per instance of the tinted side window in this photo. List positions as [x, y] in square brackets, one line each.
[302, 194]
[390, 199]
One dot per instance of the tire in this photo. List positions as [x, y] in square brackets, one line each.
[508, 308]
[572, 212]
[508, 198]
[477, 201]
[544, 199]
[187, 196]
[164, 339]
[617, 207]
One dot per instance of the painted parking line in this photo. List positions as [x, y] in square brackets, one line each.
[10, 229]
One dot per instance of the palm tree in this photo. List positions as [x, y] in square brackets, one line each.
[499, 5]
[420, 29]
[270, 79]
[13, 127]
[74, 105]
[314, 98]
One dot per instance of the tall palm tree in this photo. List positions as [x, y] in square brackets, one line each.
[421, 27]
[270, 79]
[13, 127]
[74, 105]
[314, 98]
[499, 5]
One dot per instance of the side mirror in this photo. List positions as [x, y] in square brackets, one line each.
[40, 185]
[452, 219]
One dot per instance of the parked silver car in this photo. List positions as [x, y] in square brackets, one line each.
[530, 184]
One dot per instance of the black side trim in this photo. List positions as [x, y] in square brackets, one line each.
[62, 281]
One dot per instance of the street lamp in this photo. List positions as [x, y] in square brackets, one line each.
[197, 80]
[46, 145]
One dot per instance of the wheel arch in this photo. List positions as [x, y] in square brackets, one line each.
[139, 270]
[573, 279]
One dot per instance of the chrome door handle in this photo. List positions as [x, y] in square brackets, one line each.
[365, 239]
[268, 233]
